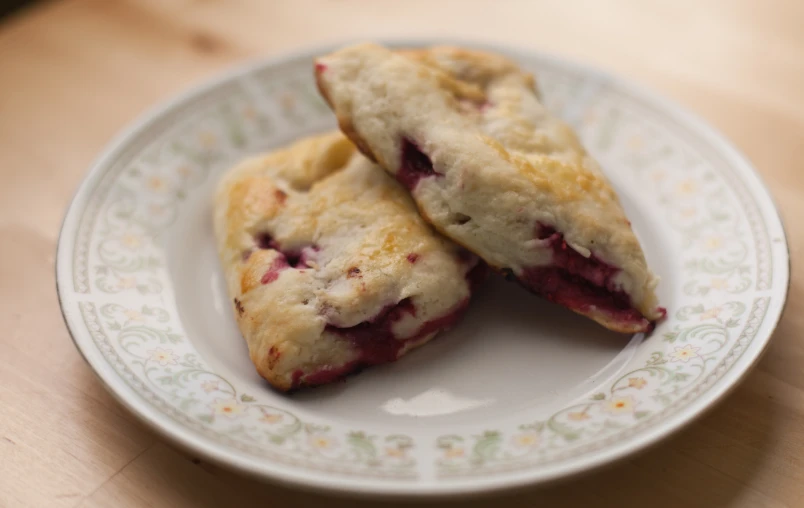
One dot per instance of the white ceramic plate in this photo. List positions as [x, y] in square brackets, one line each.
[521, 392]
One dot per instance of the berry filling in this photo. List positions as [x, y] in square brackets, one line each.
[477, 275]
[287, 259]
[375, 340]
[415, 165]
[374, 337]
[301, 259]
[266, 241]
[580, 283]
[279, 264]
[468, 105]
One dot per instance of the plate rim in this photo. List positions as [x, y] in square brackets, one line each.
[322, 482]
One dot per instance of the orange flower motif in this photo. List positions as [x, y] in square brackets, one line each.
[526, 439]
[453, 453]
[578, 416]
[228, 407]
[395, 452]
[131, 241]
[687, 187]
[127, 282]
[712, 313]
[249, 112]
[713, 243]
[637, 382]
[684, 354]
[163, 356]
[271, 418]
[322, 442]
[207, 139]
[719, 283]
[133, 315]
[635, 142]
[620, 405]
[156, 184]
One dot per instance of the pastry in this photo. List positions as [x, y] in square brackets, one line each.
[328, 264]
[492, 169]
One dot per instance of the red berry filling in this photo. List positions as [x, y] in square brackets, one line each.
[376, 342]
[375, 339]
[286, 259]
[279, 264]
[476, 275]
[301, 259]
[578, 282]
[415, 165]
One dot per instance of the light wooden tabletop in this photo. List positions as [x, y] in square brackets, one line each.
[73, 72]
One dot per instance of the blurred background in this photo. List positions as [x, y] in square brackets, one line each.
[9, 6]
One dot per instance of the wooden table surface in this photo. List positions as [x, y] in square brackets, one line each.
[73, 72]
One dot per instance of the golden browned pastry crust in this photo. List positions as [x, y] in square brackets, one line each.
[492, 169]
[328, 265]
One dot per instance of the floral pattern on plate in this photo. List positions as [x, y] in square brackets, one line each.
[116, 289]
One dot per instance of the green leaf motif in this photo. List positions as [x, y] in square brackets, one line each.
[678, 377]
[538, 426]
[598, 396]
[656, 358]
[401, 441]
[487, 446]
[247, 398]
[312, 428]
[362, 444]
[447, 442]
[173, 338]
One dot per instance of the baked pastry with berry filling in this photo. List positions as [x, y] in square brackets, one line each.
[492, 169]
[329, 266]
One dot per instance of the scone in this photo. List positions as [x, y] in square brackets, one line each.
[329, 266]
[493, 170]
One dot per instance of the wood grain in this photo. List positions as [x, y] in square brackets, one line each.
[76, 71]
